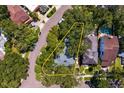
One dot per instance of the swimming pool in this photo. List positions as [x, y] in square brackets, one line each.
[106, 30]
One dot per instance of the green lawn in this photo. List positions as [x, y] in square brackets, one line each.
[117, 64]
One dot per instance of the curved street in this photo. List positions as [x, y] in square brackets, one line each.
[31, 82]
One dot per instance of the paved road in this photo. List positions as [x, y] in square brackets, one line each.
[31, 82]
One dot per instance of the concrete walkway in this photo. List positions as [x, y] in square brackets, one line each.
[31, 82]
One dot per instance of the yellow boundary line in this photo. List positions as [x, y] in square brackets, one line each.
[79, 46]
[58, 46]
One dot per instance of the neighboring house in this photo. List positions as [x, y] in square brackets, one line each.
[18, 15]
[2, 42]
[38, 8]
[121, 55]
[43, 9]
[108, 49]
[91, 55]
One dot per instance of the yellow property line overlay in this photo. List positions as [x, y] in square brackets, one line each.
[79, 47]
[58, 46]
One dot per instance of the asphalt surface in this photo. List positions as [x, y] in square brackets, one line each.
[31, 82]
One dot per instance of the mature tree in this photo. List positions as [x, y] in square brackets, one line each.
[12, 70]
[118, 23]
[112, 79]
[66, 81]
[26, 41]
[102, 16]
[99, 80]
[69, 82]
[116, 77]
[3, 12]
[22, 37]
[34, 15]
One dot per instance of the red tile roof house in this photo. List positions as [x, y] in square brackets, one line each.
[18, 14]
[109, 48]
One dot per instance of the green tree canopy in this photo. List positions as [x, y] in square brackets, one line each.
[22, 37]
[3, 12]
[12, 70]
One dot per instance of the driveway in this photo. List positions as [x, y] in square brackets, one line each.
[31, 82]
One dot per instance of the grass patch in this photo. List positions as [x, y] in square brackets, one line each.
[51, 12]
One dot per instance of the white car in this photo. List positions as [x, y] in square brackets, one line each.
[62, 19]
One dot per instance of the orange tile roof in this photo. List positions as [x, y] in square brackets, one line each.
[111, 47]
[17, 14]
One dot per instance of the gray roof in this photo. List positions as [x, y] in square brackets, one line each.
[91, 55]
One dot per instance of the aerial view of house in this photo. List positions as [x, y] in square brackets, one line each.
[61, 46]
[109, 48]
[91, 55]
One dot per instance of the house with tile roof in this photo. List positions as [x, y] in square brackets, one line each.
[108, 49]
[18, 14]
